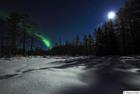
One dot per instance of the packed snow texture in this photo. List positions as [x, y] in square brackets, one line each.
[69, 75]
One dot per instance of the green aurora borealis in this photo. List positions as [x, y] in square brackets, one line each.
[43, 39]
[30, 31]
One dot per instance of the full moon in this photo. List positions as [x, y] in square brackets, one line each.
[111, 15]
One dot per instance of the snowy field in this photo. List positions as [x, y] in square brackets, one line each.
[69, 75]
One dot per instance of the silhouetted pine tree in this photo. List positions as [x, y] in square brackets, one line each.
[1, 37]
[111, 39]
[31, 45]
[106, 43]
[12, 21]
[91, 43]
[99, 41]
[128, 27]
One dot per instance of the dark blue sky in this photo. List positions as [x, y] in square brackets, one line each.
[64, 18]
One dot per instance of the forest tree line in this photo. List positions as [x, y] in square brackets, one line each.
[115, 37]
[17, 36]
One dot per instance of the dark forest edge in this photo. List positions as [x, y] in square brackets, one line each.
[115, 37]
[118, 37]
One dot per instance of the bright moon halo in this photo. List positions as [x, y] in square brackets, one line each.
[111, 15]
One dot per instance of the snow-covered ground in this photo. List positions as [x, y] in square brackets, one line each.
[69, 75]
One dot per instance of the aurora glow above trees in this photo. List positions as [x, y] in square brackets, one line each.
[29, 29]
[35, 32]
[44, 40]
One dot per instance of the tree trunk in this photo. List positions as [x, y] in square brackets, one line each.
[31, 47]
[24, 43]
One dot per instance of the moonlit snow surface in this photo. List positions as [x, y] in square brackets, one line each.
[69, 75]
[37, 76]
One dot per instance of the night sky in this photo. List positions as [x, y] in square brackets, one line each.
[64, 18]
